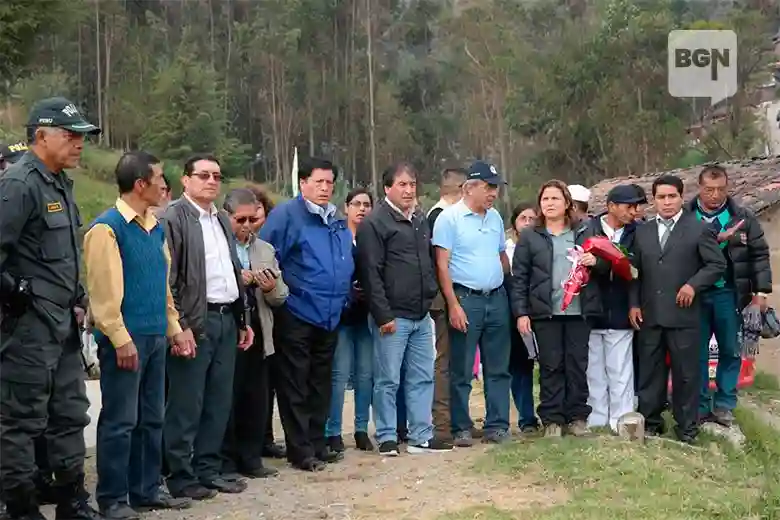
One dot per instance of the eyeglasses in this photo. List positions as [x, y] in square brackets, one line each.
[205, 176]
[242, 220]
[358, 204]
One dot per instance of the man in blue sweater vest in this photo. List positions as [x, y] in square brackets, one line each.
[747, 281]
[127, 263]
[314, 249]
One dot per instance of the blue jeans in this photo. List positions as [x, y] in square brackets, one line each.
[130, 426]
[488, 327]
[353, 359]
[523, 395]
[720, 316]
[410, 347]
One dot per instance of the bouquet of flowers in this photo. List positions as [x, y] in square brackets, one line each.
[578, 276]
[617, 256]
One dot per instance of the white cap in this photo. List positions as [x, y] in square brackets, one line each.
[579, 192]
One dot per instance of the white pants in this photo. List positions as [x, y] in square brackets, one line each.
[610, 376]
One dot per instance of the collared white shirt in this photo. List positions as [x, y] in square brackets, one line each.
[325, 213]
[662, 227]
[396, 208]
[614, 235]
[221, 283]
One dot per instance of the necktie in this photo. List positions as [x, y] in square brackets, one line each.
[667, 224]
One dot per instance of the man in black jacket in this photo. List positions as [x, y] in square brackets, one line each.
[396, 271]
[209, 294]
[677, 258]
[748, 279]
[610, 359]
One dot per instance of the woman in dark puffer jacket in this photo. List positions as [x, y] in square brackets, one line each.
[539, 267]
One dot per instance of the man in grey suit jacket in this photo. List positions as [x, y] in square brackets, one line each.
[677, 257]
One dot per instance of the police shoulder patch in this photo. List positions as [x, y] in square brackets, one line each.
[53, 207]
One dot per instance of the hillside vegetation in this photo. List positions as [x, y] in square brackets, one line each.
[542, 88]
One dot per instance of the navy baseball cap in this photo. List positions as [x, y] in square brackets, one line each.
[58, 112]
[626, 194]
[12, 152]
[483, 171]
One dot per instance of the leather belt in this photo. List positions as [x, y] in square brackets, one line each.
[476, 292]
[221, 308]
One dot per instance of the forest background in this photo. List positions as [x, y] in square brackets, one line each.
[568, 89]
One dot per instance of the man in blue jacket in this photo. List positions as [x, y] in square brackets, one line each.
[314, 249]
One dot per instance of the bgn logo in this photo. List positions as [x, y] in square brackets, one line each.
[702, 58]
[702, 64]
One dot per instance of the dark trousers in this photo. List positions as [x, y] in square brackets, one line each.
[304, 359]
[42, 384]
[269, 421]
[129, 432]
[521, 368]
[200, 396]
[489, 329]
[683, 348]
[245, 436]
[400, 406]
[563, 364]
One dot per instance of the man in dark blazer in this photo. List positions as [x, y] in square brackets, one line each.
[677, 257]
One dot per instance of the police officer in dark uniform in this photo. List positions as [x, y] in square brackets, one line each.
[11, 153]
[43, 379]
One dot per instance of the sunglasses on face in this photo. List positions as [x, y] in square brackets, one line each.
[366, 205]
[205, 176]
[243, 220]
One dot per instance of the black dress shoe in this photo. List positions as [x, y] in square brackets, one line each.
[363, 442]
[225, 486]
[162, 501]
[335, 443]
[274, 451]
[309, 464]
[195, 492]
[330, 457]
[261, 472]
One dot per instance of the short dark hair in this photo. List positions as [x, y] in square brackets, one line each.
[133, 166]
[713, 171]
[167, 182]
[309, 164]
[519, 209]
[668, 180]
[262, 196]
[581, 205]
[189, 164]
[394, 170]
[238, 197]
[358, 191]
[448, 184]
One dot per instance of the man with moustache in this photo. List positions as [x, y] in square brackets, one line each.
[43, 378]
[677, 258]
[747, 281]
[209, 294]
[470, 246]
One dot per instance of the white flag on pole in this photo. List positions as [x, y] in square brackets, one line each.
[294, 175]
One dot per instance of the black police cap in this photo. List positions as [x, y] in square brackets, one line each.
[59, 112]
[12, 152]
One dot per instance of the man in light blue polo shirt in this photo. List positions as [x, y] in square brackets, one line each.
[471, 262]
